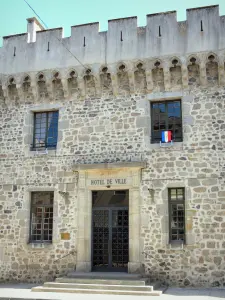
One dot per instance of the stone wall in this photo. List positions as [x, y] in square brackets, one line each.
[104, 117]
[109, 129]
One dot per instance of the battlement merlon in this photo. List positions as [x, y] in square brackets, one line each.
[124, 40]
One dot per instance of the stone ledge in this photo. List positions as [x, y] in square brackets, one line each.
[103, 166]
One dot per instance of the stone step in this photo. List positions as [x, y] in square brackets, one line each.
[95, 291]
[98, 286]
[141, 282]
[104, 275]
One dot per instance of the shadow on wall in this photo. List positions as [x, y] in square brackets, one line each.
[24, 286]
[190, 292]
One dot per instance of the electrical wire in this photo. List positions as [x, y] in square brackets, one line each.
[36, 13]
[61, 42]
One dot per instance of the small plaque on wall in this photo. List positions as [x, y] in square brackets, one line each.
[65, 236]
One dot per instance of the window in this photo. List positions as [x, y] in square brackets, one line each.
[45, 129]
[166, 116]
[41, 217]
[123, 193]
[177, 214]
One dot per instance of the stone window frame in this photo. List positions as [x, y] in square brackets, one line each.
[164, 96]
[154, 140]
[189, 233]
[27, 200]
[28, 129]
[34, 145]
[177, 201]
[42, 241]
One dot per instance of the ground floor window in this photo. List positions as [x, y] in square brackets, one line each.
[41, 216]
[177, 215]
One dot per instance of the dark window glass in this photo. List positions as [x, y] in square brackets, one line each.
[45, 129]
[166, 116]
[177, 214]
[110, 198]
[41, 217]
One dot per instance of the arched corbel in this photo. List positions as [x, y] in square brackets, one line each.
[123, 81]
[184, 72]
[221, 70]
[64, 82]
[167, 78]
[105, 80]
[58, 91]
[2, 98]
[34, 87]
[113, 71]
[89, 82]
[6, 93]
[202, 67]
[19, 88]
[81, 85]
[149, 80]
[212, 69]
[65, 87]
[49, 85]
[130, 73]
[157, 75]
[12, 83]
[140, 83]
[97, 83]
[175, 73]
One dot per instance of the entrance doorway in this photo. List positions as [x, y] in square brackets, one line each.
[110, 230]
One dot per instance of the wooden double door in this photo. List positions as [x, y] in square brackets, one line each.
[110, 231]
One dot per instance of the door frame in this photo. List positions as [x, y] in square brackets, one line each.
[83, 207]
[109, 268]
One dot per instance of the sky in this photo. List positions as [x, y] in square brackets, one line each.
[66, 13]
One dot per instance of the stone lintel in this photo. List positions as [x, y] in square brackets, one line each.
[108, 166]
[165, 95]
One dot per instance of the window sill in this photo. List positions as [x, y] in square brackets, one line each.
[38, 152]
[43, 149]
[176, 145]
[39, 245]
[164, 143]
[176, 245]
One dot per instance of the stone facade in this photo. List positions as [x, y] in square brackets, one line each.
[105, 132]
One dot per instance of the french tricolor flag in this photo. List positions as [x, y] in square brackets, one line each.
[166, 136]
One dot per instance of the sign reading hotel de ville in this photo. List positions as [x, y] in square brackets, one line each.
[108, 181]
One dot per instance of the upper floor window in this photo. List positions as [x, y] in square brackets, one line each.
[177, 214]
[41, 216]
[166, 116]
[45, 129]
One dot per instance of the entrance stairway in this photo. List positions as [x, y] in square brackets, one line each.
[102, 283]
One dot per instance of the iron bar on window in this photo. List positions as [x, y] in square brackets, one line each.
[41, 221]
[177, 214]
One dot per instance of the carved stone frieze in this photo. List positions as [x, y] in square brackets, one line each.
[124, 78]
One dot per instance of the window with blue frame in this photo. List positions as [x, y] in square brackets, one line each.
[45, 130]
[166, 116]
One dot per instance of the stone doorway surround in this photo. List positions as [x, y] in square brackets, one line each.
[108, 176]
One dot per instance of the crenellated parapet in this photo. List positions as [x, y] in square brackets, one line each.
[39, 49]
[121, 79]
[165, 55]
